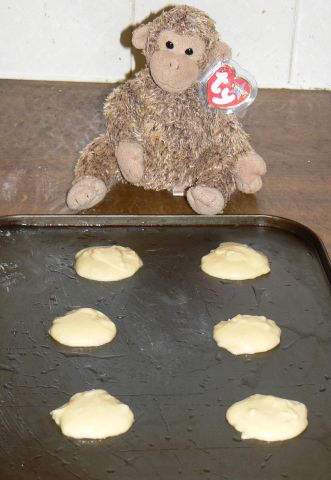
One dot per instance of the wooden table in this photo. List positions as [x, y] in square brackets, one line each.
[44, 125]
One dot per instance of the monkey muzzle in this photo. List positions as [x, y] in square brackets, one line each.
[173, 72]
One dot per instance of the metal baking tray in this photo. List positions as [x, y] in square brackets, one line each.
[163, 362]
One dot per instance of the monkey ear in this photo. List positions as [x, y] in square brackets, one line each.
[223, 51]
[139, 36]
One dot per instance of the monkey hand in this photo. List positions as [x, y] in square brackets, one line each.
[86, 193]
[130, 159]
[205, 200]
[249, 170]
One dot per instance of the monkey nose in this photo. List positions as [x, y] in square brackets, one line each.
[174, 64]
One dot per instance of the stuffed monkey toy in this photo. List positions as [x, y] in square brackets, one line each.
[159, 134]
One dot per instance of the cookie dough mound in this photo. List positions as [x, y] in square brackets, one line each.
[93, 415]
[247, 334]
[84, 327]
[269, 418]
[107, 264]
[235, 261]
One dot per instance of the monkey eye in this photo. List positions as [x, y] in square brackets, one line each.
[189, 51]
[170, 45]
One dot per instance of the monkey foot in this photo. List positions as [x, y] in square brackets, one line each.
[86, 193]
[205, 200]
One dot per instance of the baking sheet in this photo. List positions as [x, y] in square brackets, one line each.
[163, 361]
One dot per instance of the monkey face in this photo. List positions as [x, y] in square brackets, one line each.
[174, 66]
[179, 45]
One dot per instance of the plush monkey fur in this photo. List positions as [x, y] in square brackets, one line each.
[159, 135]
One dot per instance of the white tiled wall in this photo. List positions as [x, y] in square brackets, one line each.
[311, 61]
[284, 43]
[64, 39]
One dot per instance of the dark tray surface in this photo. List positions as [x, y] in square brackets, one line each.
[163, 362]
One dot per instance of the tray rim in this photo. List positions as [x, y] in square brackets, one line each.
[99, 221]
[249, 220]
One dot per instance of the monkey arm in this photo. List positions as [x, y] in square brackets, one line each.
[248, 165]
[213, 182]
[216, 170]
[123, 121]
[121, 114]
[217, 165]
[98, 168]
[229, 162]
[228, 134]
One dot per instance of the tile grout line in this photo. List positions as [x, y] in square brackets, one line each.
[133, 17]
[293, 41]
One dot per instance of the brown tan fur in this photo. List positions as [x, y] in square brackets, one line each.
[184, 20]
[183, 143]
